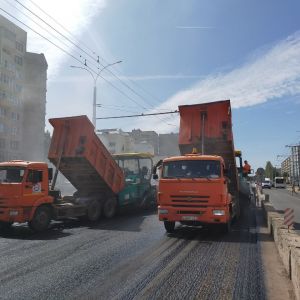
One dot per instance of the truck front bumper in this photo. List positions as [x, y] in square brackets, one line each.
[15, 214]
[209, 215]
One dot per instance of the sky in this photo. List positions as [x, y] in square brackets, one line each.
[173, 52]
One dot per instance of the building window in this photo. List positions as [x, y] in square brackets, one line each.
[14, 131]
[2, 95]
[2, 143]
[3, 111]
[14, 145]
[15, 116]
[18, 88]
[20, 46]
[18, 60]
[2, 128]
[4, 78]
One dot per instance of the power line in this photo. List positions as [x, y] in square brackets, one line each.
[70, 41]
[39, 25]
[139, 115]
[62, 26]
[65, 51]
[65, 37]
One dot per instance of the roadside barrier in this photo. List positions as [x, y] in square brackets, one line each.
[287, 242]
[288, 217]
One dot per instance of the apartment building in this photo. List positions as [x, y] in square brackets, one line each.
[22, 95]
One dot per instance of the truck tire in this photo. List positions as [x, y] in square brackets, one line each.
[109, 208]
[41, 219]
[169, 226]
[93, 211]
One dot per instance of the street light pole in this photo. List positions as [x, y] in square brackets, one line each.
[95, 78]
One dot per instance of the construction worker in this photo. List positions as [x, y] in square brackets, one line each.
[246, 169]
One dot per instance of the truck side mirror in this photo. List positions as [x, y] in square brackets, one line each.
[50, 174]
[155, 176]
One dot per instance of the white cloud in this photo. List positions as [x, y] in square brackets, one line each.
[274, 74]
[73, 15]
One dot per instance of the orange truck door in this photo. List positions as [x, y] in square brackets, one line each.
[34, 188]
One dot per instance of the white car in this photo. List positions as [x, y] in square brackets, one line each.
[266, 184]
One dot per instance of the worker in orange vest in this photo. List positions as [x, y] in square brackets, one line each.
[246, 169]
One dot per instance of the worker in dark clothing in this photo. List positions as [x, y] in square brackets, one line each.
[246, 169]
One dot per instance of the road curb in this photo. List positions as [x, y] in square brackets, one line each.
[287, 242]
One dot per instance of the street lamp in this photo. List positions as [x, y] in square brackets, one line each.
[95, 78]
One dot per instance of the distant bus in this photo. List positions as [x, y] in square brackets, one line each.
[279, 182]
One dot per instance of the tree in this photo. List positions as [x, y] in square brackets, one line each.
[260, 174]
[269, 170]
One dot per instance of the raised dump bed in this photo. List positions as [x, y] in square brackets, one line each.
[208, 127]
[82, 158]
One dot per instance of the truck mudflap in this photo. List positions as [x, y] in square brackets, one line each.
[210, 215]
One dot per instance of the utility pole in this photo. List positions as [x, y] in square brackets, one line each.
[95, 77]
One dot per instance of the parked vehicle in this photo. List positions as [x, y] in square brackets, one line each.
[279, 182]
[201, 188]
[79, 155]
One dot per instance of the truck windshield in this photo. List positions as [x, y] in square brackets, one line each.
[279, 180]
[11, 174]
[192, 169]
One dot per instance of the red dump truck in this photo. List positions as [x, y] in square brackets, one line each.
[76, 151]
[200, 187]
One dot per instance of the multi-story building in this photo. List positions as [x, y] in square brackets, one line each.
[149, 137]
[116, 140]
[22, 95]
[34, 106]
[295, 164]
[286, 166]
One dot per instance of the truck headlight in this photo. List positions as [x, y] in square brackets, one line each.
[13, 213]
[218, 212]
[163, 211]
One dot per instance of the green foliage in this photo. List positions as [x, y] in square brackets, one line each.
[269, 170]
[260, 174]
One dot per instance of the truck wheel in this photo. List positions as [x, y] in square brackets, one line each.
[169, 226]
[5, 225]
[94, 211]
[225, 228]
[41, 219]
[110, 208]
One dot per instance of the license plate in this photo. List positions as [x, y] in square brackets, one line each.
[189, 218]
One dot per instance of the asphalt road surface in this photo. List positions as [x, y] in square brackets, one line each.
[131, 257]
[282, 199]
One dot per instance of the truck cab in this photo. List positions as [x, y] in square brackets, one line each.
[24, 186]
[193, 190]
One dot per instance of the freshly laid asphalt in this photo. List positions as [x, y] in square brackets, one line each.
[131, 257]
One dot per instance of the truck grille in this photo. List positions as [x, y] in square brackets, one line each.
[189, 200]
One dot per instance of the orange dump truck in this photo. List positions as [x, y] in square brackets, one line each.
[200, 187]
[76, 151]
